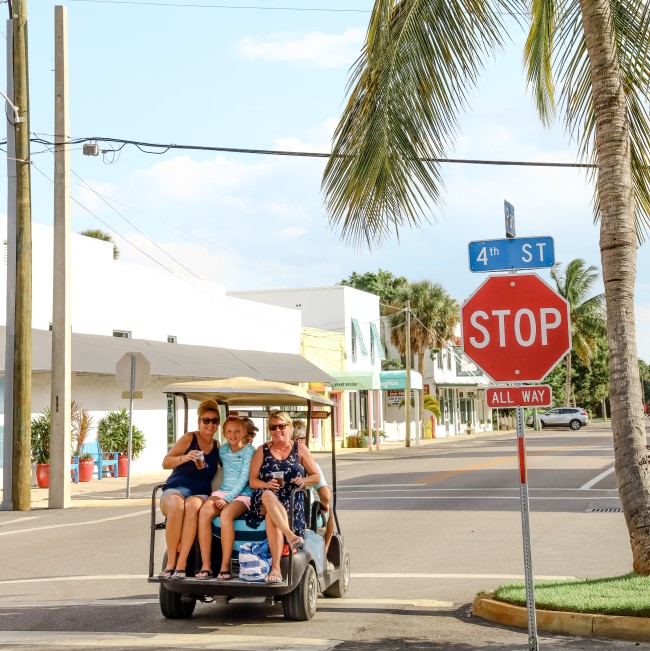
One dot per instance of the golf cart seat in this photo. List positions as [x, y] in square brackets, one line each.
[243, 533]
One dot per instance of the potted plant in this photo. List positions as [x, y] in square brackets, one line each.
[82, 421]
[113, 434]
[40, 441]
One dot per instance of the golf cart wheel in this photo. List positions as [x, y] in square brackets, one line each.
[300, 604]
[575, 424]
[172, 605]
[340, 587]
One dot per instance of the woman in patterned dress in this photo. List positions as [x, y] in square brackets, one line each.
[272, 497]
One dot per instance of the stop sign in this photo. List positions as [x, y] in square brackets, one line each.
[516, 328]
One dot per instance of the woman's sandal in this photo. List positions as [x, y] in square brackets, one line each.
[178, 574]
[166, 573]
[224, 575]
[274, 577]
[296, 543]
[204, 575]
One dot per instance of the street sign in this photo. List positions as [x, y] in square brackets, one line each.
[537, 395]
[509, 211]
[123, 371]
[508, 254]
[516, 328]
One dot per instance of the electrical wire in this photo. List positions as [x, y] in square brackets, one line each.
[302, 154]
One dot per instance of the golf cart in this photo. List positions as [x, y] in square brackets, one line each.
[307, 571]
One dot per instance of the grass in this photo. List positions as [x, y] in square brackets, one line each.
[617, 595]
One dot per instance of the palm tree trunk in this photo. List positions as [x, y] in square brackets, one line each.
[618, 243]
[421, 372]
[567, 380]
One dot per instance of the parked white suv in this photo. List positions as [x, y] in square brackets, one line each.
[573, 417]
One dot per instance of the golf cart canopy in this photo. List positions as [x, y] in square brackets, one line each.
[246, 392]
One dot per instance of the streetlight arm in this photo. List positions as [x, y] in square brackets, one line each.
[17, 118]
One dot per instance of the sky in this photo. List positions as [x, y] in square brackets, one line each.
[275, 78]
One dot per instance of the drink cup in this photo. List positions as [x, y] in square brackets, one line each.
[200, 460]
[279, 477]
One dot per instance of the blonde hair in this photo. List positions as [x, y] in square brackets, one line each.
[208, 405]
[237, 421]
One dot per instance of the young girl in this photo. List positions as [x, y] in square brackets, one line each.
[231, 501]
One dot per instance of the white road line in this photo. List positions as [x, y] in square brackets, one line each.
[212, 640]
[595, 480]
[74, 524]
[355, 575]
[343, 498]
[419, 487]
[21, 520]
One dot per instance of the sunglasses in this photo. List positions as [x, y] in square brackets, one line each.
[207, 421]
[280, 426]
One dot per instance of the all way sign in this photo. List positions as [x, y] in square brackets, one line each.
[530, 396]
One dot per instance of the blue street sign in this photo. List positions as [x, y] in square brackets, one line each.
[509, 211]
[511, 253]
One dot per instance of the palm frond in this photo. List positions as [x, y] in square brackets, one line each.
[420, 59]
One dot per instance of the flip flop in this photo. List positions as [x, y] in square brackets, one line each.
[274, 577]
[166, 574]
[296, 543]
[224, 575]
[204, 575]
[178, 574]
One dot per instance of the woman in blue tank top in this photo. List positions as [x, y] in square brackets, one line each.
[193, 459]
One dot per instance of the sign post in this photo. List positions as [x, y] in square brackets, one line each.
[516, 328]
[132, 372]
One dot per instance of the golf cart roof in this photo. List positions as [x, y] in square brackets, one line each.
[245, 391]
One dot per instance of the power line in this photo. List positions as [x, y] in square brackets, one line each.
[211, 6]
[302, 154]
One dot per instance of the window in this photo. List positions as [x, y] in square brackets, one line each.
[171, 339]
[449, 359]
[439, 360]
[171, 421]
[122, 333]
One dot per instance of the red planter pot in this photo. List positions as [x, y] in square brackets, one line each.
[86, 469]
[43, 475]
[122, 465]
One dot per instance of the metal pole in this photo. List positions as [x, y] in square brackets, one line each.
[407, 391]
[525, 529]
[132, 387]
[59, 495]
[8, 440]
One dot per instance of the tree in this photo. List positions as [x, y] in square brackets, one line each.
[434, 317]
[382, 284]
[420, 61]
[105, 237]
[587, 314]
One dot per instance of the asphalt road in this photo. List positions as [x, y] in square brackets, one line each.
[427, 528]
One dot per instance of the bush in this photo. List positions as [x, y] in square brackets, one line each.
[41, 431]
[113, 434]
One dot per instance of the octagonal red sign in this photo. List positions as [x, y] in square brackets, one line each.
[516, 328]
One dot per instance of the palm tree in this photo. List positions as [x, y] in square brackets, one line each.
[587, 314]
[434, 317]
[105, 237]
[421, 60]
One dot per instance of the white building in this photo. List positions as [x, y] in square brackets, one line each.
[354, 315]
[187, 328]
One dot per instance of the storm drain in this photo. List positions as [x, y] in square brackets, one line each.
[616, 509]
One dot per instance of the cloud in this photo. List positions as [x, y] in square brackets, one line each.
[314, 49]
[292, 233]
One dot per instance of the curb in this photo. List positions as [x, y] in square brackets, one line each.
[617, 627]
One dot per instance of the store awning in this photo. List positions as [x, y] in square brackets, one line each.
[354, 380]
[397, 380]
[98, 355]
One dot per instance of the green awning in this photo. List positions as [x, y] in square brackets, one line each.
[397, 380]
[354, 380]
[376, 341]
[358, 336]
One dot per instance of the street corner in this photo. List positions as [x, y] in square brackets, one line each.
[636, 629]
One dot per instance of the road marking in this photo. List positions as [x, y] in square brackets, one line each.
[595, 480]
[33, 517]
[343, 498]
[74, 524]
[409, 488]
[143, 577]
[211, 640]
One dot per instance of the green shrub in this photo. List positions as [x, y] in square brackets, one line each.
[113, 434]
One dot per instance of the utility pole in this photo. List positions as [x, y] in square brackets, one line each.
[407, 391]
[59, 496]
[22, 385]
